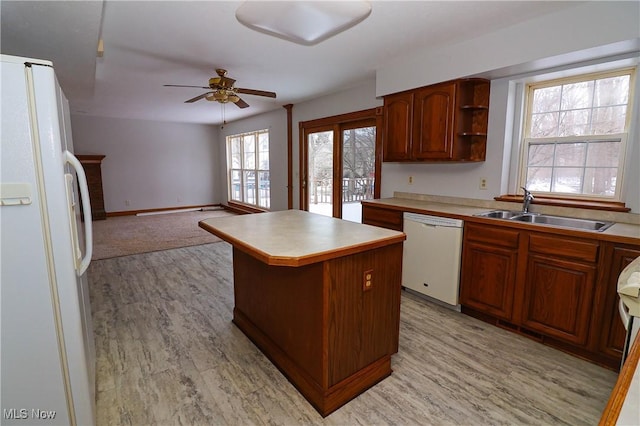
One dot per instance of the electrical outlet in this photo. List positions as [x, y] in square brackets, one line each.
[483, 183]
[127, 203]
[367, 280]
[410, 180]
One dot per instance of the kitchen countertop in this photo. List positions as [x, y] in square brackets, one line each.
[296, 238]
[620, 232]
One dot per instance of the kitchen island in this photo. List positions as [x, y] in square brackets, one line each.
[319, 296]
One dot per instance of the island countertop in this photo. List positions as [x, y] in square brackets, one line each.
[296, 237]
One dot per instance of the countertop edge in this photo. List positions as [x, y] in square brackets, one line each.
[297, 261]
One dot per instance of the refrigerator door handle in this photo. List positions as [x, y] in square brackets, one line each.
[86, 210]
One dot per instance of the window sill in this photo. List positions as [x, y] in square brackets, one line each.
[612, 206]
[243, 208]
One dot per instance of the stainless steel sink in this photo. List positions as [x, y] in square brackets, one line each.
[565, 222]
[544, 219]
[499, 214]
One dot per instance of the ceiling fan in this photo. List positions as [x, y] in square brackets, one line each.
[222, 90]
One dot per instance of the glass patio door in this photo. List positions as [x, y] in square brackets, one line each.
[320, 172]
[358, 146]
[340, 167]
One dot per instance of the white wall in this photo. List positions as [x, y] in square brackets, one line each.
[152, 164]
[569, 35]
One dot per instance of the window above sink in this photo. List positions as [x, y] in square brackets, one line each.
[575, 134]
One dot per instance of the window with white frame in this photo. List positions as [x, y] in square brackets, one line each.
[575, 135]
[248, 168]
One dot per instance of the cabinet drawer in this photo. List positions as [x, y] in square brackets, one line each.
[488, 234]
[570, 248]
[385, 218]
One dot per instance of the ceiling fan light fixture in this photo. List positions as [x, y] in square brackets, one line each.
[233, 98]
[302, 22]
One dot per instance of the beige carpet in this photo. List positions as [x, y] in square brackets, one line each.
[126, 235]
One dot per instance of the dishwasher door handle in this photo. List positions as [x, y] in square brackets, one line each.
[428, 225]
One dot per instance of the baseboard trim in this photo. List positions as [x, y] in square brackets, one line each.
[135, 212]
[242, 208]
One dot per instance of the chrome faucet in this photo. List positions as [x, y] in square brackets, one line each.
[528, 198]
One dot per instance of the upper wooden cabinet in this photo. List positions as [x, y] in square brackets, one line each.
[433, 109]
[442, 122]
[398, 123]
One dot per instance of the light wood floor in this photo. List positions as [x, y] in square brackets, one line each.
[168, 354]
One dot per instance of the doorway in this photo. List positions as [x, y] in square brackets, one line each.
[340, 163]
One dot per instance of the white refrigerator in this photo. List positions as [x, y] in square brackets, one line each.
[47, 352]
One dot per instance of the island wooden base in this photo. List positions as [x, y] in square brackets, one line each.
[329, 332]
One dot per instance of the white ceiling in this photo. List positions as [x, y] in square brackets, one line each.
[148, 44]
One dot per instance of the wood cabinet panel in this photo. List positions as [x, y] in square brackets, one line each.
[502, 237]
[93, 171]
[488, 278]
[363, 324]
[611, 331]
[558, 298]
[398, 122]
[566, 247]
[329, 334]
[286, 311]
[472, 118]
[433, 122]
[385, 218]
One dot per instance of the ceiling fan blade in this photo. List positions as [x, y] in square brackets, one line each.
[256, 92]
[197, 98]
[241, 104]
[182, 85]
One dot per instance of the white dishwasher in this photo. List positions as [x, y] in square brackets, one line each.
[431, 258]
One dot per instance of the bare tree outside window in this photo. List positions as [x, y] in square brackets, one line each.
[575, 133]
[358, 164]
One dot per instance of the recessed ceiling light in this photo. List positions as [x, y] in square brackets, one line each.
[302, 22]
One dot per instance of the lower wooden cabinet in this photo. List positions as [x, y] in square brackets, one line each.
[380, 216]
[559, 286]
[489, 269]
[558, 296]
[557, 289]
[609, 332]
